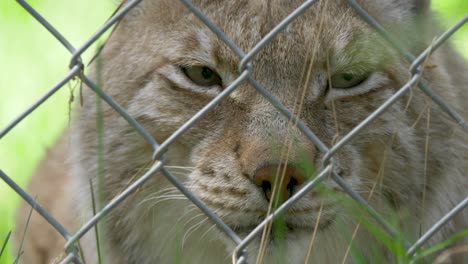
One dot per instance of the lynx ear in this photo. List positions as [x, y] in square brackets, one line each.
[414, 7]
[399, 9]
[420, 6]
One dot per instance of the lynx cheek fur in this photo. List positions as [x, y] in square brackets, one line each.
[163, 65]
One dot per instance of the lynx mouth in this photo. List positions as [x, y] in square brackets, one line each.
[289, 228]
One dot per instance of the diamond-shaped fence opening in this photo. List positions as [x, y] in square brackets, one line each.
[245, 68]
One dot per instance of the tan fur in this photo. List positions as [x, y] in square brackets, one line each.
[389, 163]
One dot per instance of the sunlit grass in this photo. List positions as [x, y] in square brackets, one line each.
[32, 61]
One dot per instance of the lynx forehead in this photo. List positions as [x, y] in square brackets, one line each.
[330, 68]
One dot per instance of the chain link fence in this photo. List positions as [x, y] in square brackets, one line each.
[240, 254]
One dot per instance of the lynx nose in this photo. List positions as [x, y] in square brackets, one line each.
[288, 177]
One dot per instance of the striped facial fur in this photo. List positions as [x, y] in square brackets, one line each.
[244, 157]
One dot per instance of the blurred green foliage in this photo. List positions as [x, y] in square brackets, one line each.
[451, 11]
[32, 61]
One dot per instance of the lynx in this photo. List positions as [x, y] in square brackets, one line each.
[330, 68]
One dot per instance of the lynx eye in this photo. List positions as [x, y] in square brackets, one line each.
[347, 80]
[202, 75]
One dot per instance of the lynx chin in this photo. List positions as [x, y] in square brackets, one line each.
[330, 68]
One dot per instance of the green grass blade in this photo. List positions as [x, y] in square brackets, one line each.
[20, 249]
[443, 244]
[100, 157]
[96, 227]
[5, 242]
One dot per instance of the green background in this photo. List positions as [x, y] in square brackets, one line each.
[32, 61]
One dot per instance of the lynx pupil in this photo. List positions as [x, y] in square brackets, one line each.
[207, 73]
[347, 77]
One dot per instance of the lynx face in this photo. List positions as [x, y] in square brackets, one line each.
[328, 67]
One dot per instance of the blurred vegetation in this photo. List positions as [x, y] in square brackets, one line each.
[451, 11]
[33, 61]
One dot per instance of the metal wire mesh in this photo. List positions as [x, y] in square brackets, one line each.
[245, 66]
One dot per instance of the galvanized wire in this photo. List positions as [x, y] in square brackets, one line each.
[288, 203]
[437, 226]
[410, 57]
[35, 205]
[73, 72]
[245, 67]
